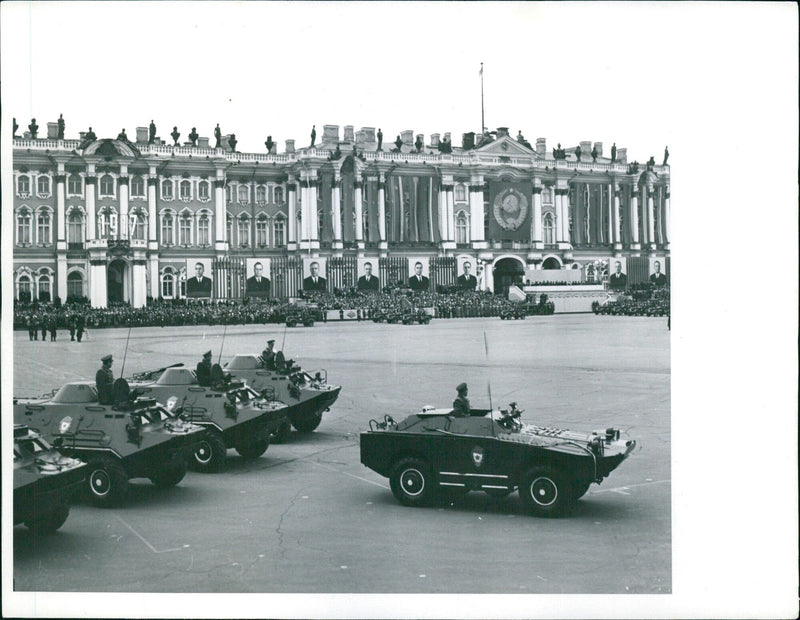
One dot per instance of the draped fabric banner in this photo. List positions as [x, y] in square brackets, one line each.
[348, 208]
[371, 187]
[411, 208]
[324, 189]
[510, 210]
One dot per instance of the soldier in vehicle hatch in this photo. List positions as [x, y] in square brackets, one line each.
[461, 406]
[104, 381]
[203, 370]
[268, 355]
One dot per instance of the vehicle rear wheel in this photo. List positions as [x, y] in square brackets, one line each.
[107, 482]
[411, 482]
[307, 424]
[168, 477]
[546, 492]
[282, 434]
[253, 449]
[210, 454]
[581, 488]
[49, 522]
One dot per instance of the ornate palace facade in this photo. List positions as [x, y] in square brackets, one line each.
[120, 220]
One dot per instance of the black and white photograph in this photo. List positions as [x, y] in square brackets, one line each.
[258, 283]
[399, 310]
[199, 283]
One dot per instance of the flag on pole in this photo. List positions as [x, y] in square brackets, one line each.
[481, 71]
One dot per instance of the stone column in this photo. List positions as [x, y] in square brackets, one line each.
[442, 204]
[359, 211]
[476, 214]
[634, 218]
[336, 211]
[152, 215]
[138, 273]
[536, 218]
[98, 285]
[220, 212]
[91, 208]
[451, 217]
[382, 211]
[313, 224]
[291, 200]
[651, 223]
[666, 217]
[122, 230]
[61, 223]
[617, 238]
[565, 210]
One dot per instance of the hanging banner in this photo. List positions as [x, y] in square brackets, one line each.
[509, 210]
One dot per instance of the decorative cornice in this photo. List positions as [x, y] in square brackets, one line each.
[90, 180]
[61, 178]
[446, 188]
[291, 187]
[219, 183]
[381, 185]
[123, 180]
[537, 190]
[152, 182]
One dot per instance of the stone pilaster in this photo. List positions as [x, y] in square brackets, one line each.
[537, 237]
[382, 211]
[122, 229]
[359, 212]
[91, 206]
[336, 211]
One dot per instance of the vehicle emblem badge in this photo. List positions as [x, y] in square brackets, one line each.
[477, 456]
[63, 427]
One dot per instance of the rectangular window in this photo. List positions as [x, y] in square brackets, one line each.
[166, 229]
[75, 184]
[261, 194]
[166, 190]
[75, 229]
[167, 286]
[278, 233]
[243, 194]
[229, 231]
[24, 229]
[203, 231]
[261, 233]
[23, 185]
[74, 287]
[43, 186]
[107, 186]
[186, 231]
[43, 229]
[186, 190]
[202, 190]
[244, 232]
[137, 187]
[137, 227]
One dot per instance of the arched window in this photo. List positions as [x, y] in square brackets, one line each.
[279, 231]
[261, 231]
[365, 222]
[203, 229]
[167, 228]
[138, 225]
[75, 227]
[106, 185]
[106, 223]
[549, 229]
[462, 228]
[24, 185]
[75, 185]
[203, 191]
[137, 187]
[243, 224]
[166, 189]
[228, 194]
[168, 284]
[44, 287]
[24, 288]
[186, 190]
[43, 227]
[278, 193]
[261, 194]
[43, 186]
[185, 229]
[229, 229]
[243, 194]
[74, 284]
[24, 226]
[460, 193]
[320, 221]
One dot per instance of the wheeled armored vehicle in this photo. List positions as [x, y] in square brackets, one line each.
[299, 318]
[307, 394]
[233, 414]
[434, 454]
[134, 438]
[418, 316]
[44, 482]
[387, 316]
[517, 312]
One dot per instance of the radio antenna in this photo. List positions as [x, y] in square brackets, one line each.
[224, 329]
[283, 342]
[488, 381]
[125, 355]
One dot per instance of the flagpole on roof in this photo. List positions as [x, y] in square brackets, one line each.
[483, 123]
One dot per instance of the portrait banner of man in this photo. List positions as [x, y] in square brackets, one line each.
[198, 278]
[467, 279]
[314, 280]
[418, 270]
[618, 276]
[258, 283]
[368, 280]
[657, 276]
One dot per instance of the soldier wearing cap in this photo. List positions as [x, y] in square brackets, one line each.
[104, 381]
[268, 355]
[203, 370]
[461, 406]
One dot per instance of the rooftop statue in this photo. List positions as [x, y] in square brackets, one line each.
[398, 143]
[152, 138]
[232, 142]
[418, 144]
[122, 137]
[666, 155]
[651, 162]
[521, 139]
[90, 136]
[60, 126]
[218, 136]
[559, 153]
[594, 154]
[380, 138]
[33, 128]
[175, 135]
[613, 152]
[14, 127]
[193, 136]
[269, 144]
[578, 152]
[313, 134]
[445, 146]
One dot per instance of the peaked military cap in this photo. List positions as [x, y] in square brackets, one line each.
[106, 358]
[207, 354]
[462, 387]
[270, 342]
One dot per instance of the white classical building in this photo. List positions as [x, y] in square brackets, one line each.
[119, 221]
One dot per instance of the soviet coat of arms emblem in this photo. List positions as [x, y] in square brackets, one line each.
[510, 209]
[477, 455]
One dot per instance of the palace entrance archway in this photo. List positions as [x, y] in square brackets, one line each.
[116, 280]
[507, 272]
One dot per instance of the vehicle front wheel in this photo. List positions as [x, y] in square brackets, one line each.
[49, 522]
[107, 482]
[546, 492]
[307, 424]
[411, 482]
[210, 454]
[169, 477]
[253, 449]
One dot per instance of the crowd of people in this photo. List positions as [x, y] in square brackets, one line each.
[639, 302]
[48, 319]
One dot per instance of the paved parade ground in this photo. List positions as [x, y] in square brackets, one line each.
[308, 517]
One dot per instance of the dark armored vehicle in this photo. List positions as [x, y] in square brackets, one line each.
[416, 316]
[435, 453]
[134, 438]
[515, 312]
[299, 317]
[44, 482]
[308, 394]
[234, 415]
[387, 316]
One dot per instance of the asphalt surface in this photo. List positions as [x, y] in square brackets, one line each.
[308, 517]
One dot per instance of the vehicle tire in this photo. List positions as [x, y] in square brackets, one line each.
[411, 482]
[210, 454]
[253, 449]
[49, 522]
[107, 482]
[307, 424]
[546, 492]
[581, 488]
[282, 434]
[168, 477]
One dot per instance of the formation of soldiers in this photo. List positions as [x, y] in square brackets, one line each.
[657, 305]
